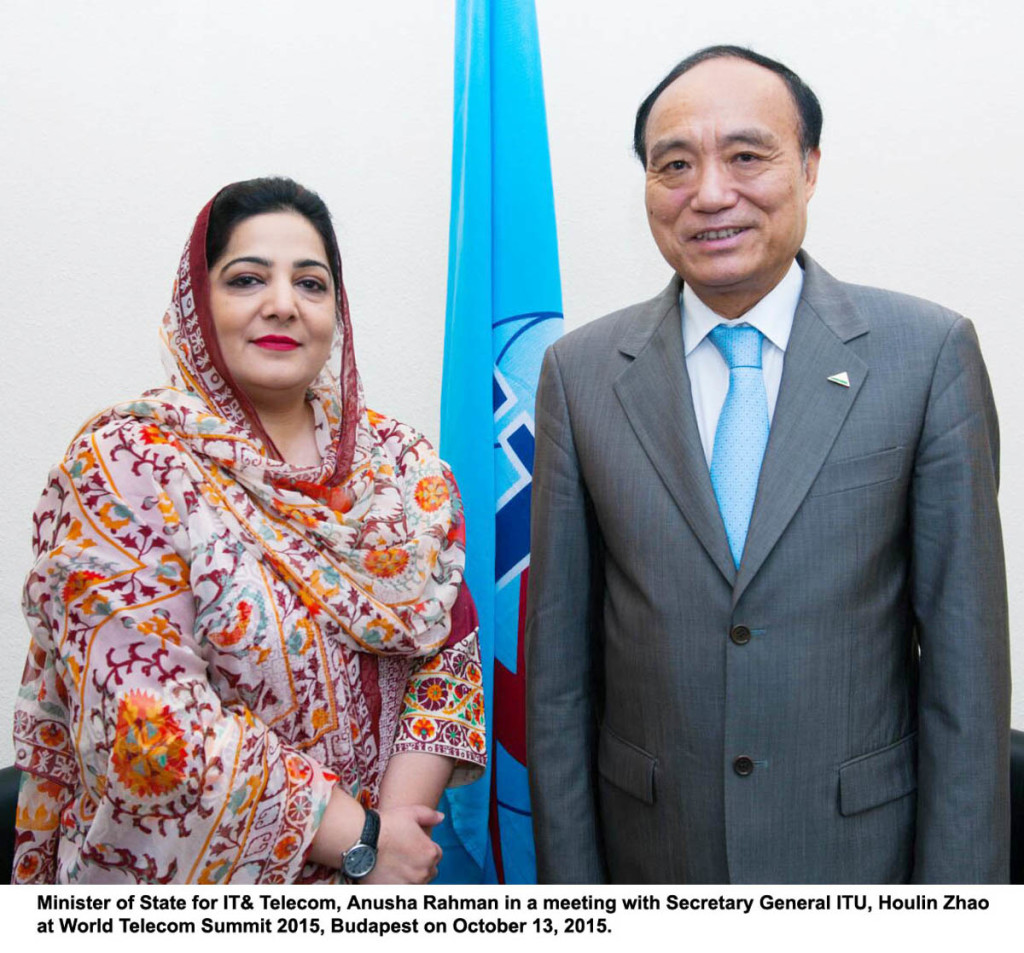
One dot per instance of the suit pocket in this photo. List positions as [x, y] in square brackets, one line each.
[626, 766]
[873, 468]
[879, 777]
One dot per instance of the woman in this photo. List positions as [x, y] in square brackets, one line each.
[249, 627]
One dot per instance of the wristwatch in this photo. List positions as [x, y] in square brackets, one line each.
[360, 858]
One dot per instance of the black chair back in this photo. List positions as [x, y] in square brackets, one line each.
[1017, 807]
[9, 780]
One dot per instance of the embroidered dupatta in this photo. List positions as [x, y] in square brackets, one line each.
[372, 537]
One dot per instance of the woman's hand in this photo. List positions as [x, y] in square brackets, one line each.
[405, 852]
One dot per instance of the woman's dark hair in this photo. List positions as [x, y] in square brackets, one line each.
[807, 106]
[241, 200]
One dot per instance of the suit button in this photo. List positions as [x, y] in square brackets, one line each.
[740, 634]
[743, 766]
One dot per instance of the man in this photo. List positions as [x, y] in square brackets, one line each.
[767, 630]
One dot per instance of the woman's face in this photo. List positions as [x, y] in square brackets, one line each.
[273, 303]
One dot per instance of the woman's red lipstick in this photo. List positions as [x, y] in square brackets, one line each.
[276, 342]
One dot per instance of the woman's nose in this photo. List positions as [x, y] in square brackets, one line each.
[281, 301]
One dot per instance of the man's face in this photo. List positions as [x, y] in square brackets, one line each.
[727, 183]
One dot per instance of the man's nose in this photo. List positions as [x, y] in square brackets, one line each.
[715, 188]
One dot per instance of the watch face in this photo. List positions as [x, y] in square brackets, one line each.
[359, 860]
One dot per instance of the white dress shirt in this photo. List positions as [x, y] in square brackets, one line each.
[709, 374]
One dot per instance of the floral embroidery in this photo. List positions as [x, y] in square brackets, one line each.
[387, 562]
[236, 632]
[114, 516]
[152, 434]
[423, 728]
[432, 694]
[379, 630]
[27, 867]
[51, 735]
[78, 582]
[285, 847]
[445, 705]
[149, 750]
[431, 493]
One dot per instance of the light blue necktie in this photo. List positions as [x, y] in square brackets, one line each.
[742, 432]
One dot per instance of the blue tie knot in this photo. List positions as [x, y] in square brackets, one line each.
[739, 345]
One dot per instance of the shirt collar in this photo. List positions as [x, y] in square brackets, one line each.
[772, 315]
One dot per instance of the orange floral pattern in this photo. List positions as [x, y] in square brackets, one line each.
[431, 493]
[149, 747]
[78, 582]
[387, 562]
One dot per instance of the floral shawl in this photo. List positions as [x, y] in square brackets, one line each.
[381, 554]
[219, 638]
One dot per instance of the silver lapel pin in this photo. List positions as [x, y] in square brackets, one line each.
[842, 379]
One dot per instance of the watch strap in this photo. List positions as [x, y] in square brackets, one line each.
[371, 829]
[361, 857]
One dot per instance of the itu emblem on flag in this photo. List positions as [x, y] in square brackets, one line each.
[520, 342]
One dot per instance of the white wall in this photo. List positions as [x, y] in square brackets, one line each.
[119, 120]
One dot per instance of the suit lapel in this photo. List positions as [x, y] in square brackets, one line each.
[809, 412]
[654, 391]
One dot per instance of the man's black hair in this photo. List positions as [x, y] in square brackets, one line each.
[807, 106]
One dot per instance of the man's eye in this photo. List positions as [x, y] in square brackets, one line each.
[677, 165]
[746, 157]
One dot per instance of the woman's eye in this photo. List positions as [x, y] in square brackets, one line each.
[312, 284]
[243, 281]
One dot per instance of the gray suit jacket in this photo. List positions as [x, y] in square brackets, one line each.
[858, 657]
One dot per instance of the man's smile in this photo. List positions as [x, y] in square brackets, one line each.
[715, 234]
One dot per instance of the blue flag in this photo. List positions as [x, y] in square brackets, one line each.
[504, 309]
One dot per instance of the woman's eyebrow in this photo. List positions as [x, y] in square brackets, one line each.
[251, 259]
[267, 263]
[310, 263]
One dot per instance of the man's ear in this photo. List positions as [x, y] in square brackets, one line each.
[811, 171]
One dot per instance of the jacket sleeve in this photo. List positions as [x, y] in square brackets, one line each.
[960, 606]
[562, 649]
[135, 769]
